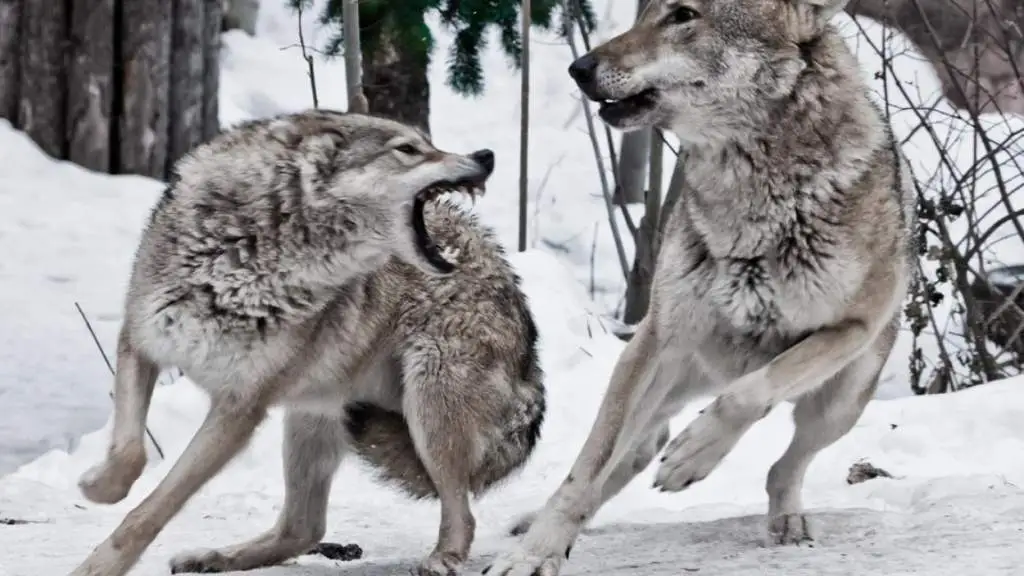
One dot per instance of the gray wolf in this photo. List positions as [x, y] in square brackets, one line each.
[299, 261]
[782, 268]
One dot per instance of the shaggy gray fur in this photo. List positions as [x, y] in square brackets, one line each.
[783, 266]
[280, 270]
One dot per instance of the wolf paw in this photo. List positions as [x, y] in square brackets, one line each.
[440, 564]
[523, 563]
[789, 529]
[200, 562]
[693, 454]
[110, 481]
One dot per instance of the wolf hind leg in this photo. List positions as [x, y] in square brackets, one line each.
[821, 417]
[446, 403]
[109, 481]
[314, 445]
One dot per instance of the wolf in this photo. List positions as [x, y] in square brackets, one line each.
[782, 267]
[307, 261]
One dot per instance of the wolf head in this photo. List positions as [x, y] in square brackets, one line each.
[386, 166]
[701, 68]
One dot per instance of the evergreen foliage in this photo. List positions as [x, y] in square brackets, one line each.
[405, 22]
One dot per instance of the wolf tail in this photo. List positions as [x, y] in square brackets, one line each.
[381, 437]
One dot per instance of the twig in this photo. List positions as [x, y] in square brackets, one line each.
[609, 205]
[577, 18]
[537, 200]
[110, 367]
[307, 57]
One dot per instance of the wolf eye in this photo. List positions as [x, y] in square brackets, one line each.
[682, 15]
[408, 149]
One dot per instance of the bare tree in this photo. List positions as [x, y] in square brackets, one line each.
[976, 46]
[524, 124]
[353, 59]
[964, 312]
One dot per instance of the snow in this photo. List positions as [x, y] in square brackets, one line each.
[68, 235]
[954, 502]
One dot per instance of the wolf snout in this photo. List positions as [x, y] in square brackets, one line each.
[485, 158]
[584, 69]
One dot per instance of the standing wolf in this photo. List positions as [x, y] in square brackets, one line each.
[783, 266]
[293, 263]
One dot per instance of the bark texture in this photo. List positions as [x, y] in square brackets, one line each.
[90, 83]
[118, 86]
[212, 22]
[10, 32]
[42, 74]
[145, 57]
[186, 82]
[395, 84]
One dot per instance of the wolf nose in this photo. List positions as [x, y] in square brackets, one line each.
[484, 158]
[582, 70]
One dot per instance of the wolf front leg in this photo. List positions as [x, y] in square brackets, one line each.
[630, 408]
[821, 417]
[801, 369]
[228, 427]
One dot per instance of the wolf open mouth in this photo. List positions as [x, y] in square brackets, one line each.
[473, 186]
[612, 110]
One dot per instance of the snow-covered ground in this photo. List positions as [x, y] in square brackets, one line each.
[67, 236]
[955, 505]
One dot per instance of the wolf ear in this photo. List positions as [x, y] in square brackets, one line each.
[826, 9]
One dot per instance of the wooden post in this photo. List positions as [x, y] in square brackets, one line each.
[10, 32]
[212, 22]
[90, 79]
[185, 125]
[145, 82]
[43, 85]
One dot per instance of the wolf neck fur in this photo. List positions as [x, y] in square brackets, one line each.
[745, 202]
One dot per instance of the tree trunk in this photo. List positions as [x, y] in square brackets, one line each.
[43, 75]
[354, 59]
[395, 84]
[240, 14]
[90, 77]
[648, 239]
[10, 30]
[212, 19]
[633, 157]
[145, 57]
[186, 102]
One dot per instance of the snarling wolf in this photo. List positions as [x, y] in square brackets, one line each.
[305, 261]
[782, 268]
